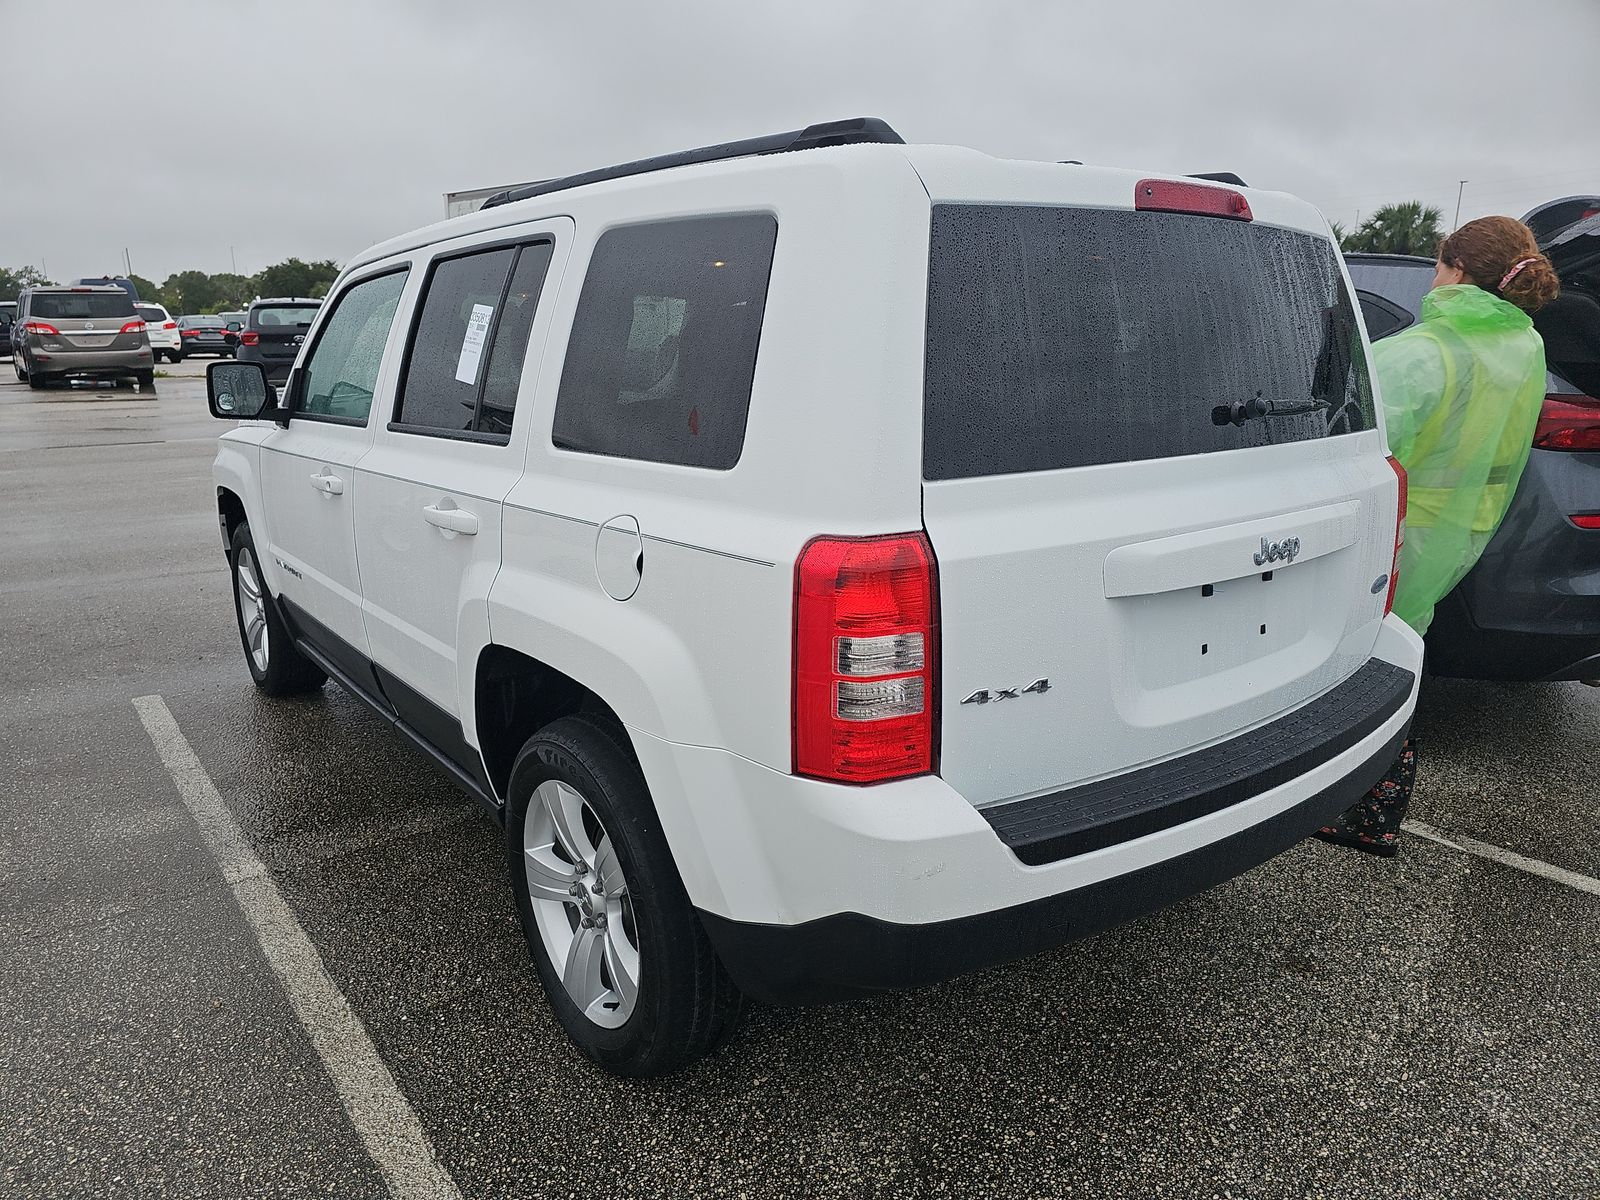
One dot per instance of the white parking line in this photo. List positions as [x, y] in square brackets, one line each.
[387, 1125]
[1532, 866]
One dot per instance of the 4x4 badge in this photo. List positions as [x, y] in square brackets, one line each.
[1284, 551]
[985, 695]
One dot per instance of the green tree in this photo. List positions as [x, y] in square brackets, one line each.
[295, 278]
[1407, 228]
[14, 279]
[189, 292]
[149, 293]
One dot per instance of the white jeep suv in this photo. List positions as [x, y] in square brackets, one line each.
[838, 564]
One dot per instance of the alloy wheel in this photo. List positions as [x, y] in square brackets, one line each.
[252, 607]
[581, 903]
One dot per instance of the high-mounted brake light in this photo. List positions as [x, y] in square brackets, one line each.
[866, 644]
[250, 338]
[132, 327]
[1568, 422]
[1399, 534]
[1199, 199]
[42, 328]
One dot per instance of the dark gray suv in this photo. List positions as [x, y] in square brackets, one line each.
[1530, 609]
[273, 333]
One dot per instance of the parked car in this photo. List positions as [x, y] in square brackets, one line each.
[166, 339]
[117, 281]
[204, 335]
[1530, 608]
[8, 315]
[272, 334]
[1043, 598]
[65, 333]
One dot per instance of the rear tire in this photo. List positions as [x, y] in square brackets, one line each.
[37, 381]
[679, 1004]
[146, 378]
[16, 365]
[276, 664]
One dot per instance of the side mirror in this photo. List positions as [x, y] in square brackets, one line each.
[234, 327]
[238, 391]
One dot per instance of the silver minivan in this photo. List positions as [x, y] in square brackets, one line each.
[83, 332]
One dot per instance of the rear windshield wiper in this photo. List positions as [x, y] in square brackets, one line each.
[1255, 409]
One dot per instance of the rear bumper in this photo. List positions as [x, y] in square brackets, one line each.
[813, 891]
[849, 955]
[1553, 645]
[57, 364]
[275, 366]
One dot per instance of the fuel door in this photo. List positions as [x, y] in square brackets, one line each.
[619, 556]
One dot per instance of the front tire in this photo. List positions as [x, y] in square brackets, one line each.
[276, 664]
[627, 968]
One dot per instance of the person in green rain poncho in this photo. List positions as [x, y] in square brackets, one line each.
[1461, 395]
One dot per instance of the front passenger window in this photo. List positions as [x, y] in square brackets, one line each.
[338, 379]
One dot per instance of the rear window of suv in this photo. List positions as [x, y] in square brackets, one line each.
[73, 306]
[1062, 337]
[284, 314]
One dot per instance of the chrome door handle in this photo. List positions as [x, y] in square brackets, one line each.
[328, 483]
[456, 520]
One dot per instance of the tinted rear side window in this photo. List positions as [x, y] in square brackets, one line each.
[663, 347]
[1070, 337]
[72, 306]
[1400, 281]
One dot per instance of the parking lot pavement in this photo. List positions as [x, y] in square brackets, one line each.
[1327, 1025]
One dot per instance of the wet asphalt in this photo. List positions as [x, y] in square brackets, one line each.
[1327, 1025]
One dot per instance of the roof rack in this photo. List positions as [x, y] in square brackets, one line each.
[1219, 177]
[812, 137]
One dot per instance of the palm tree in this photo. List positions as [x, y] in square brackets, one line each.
[1407, 228]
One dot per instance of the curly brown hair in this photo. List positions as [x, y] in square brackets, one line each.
[1491, 248]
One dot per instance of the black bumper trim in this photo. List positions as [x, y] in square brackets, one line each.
[1074, 821]
[848, 955]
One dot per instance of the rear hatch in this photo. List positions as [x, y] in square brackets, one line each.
[85, 319]
[278, 330]
[1153, 479]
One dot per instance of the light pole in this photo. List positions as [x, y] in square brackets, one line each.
[1456, 224]
[234, 260]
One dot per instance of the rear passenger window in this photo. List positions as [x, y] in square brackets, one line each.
[464, 367]
[663, 347]
[338, 378]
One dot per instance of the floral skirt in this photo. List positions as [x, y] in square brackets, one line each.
[1373, 822]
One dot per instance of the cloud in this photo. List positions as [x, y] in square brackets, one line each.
[314, 128]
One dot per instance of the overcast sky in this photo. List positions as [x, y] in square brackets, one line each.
[197, 132]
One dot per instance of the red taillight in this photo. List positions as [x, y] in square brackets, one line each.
[250, 338]
[191, 333]
[170, 325]
[1585, 520]
[1169, 195]
[1399, 534]
[42, 328]
[132, 327]
[1568, 423]
[866, 645]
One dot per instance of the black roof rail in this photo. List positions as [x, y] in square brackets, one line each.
[828, 133]
[1219, 177]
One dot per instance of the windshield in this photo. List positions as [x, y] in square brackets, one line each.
[73, 306]
[1066, 337]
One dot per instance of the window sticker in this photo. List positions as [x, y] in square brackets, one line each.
[472, 343]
